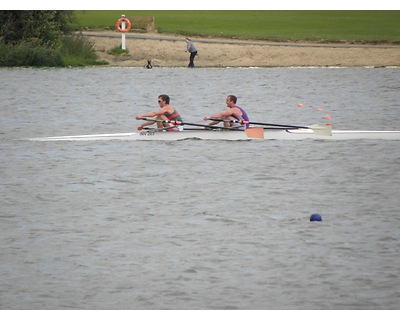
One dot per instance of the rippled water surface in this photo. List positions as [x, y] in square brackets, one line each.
[198, 224]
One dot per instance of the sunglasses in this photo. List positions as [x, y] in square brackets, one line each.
[159, 101]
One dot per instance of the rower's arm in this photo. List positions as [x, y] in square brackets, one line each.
[147, 123]
[220, 114]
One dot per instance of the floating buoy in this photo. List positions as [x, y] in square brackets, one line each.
[315, 217]
[320, 109]
[327, 117]
[300, 105]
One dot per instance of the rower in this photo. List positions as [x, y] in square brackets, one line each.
[164, 116]
[234, 117]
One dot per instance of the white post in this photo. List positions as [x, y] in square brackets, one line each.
[123, 33]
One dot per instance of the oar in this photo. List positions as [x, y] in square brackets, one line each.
[318, 129]
[189, 124]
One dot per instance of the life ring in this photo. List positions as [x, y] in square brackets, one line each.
[118, 24]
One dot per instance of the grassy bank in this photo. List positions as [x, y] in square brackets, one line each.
[368, 26]
[74, 51]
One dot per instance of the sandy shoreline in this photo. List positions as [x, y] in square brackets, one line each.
[169, 51]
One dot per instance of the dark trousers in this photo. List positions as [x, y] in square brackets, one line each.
[191, 63]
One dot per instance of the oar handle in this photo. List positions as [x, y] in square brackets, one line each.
[261, 123]
[158, 120]
[180, 123]
[227, 120]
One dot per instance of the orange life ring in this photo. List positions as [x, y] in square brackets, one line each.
[118, 24]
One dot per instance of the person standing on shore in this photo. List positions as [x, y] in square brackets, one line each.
[193, 51]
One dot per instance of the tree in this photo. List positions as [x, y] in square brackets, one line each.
[34, 27]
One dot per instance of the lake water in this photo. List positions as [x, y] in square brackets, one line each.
[198, 224]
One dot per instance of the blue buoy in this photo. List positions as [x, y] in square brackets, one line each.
[315, 217]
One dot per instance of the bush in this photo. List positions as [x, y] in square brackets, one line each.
[22, 55]
[42, 27]
[78, 51]
[75, 50]
[41, 38]
[78, 46]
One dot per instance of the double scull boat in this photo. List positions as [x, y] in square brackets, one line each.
[253, 133]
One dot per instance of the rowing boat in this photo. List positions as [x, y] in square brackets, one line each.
[221, 134]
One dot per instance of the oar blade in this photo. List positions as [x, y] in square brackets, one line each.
[255, 133]
[321, 130]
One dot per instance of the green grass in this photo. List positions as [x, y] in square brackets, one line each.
[118, 51]
[74, 51]
[78, 51]
[357, 25]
